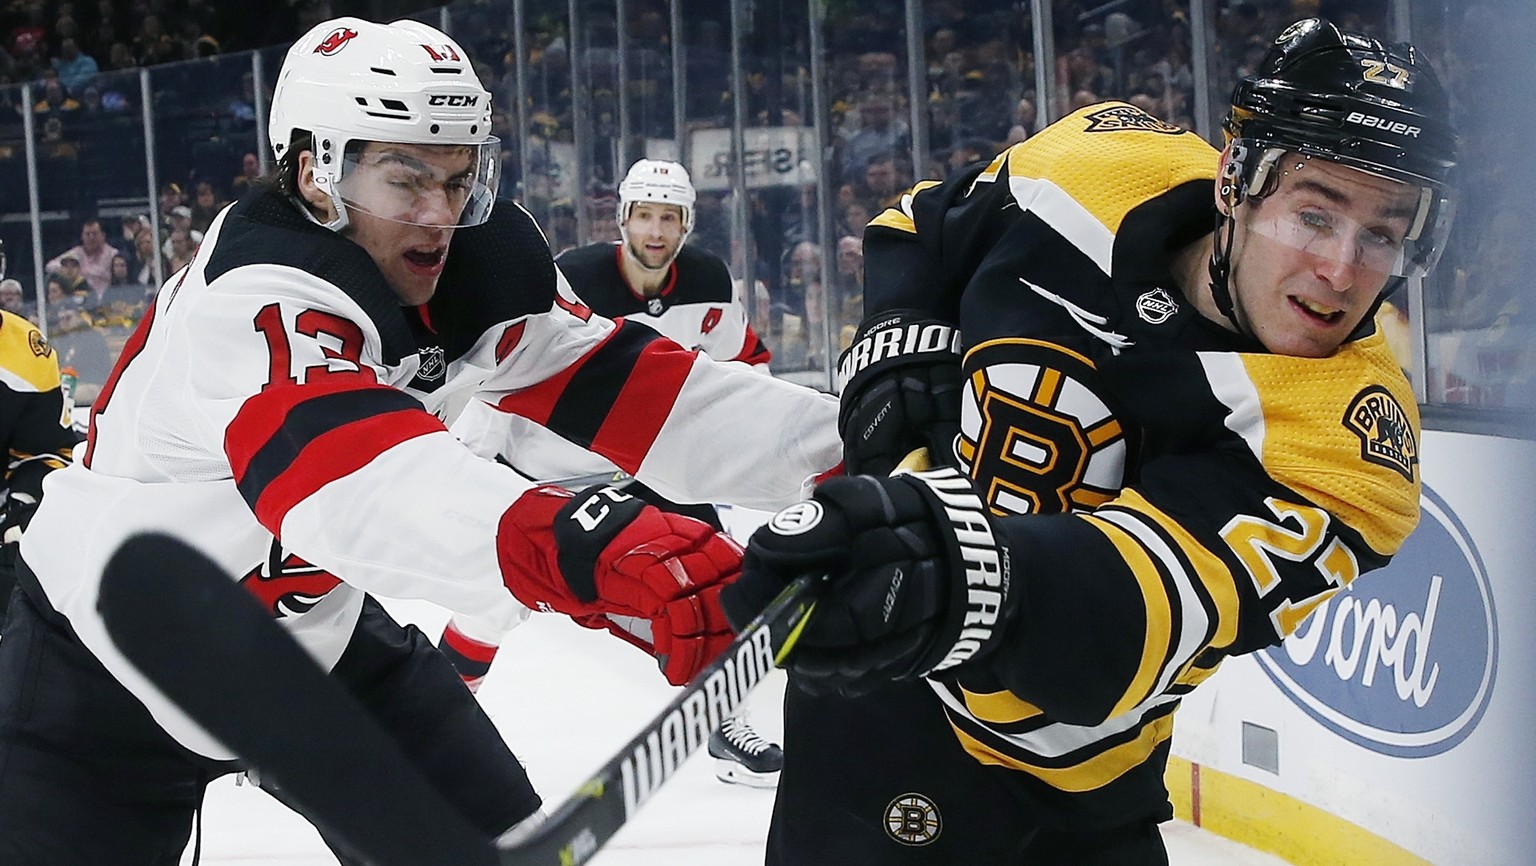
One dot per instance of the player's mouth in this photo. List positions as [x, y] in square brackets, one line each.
[426, 261]
[1320, 313]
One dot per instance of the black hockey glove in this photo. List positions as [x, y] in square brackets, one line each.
[901, 384]
[917, 581]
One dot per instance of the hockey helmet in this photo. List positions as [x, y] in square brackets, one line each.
[658, 181]
[349, 81]
[1345, 97]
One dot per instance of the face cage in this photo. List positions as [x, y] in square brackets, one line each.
[1252, 174]
[332, 170]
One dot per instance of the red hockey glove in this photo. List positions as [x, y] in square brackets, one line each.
[610, 561]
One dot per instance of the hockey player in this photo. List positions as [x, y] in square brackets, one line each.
[277, 408]
[685, 294]
[34, 428]
[1166, 445]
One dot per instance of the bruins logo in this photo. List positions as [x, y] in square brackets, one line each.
[1120, 118]
[39, 343]
[1033, 436]
[1386, 434]
[913, 819]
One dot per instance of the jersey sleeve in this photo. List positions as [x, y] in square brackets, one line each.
[693, 429]
[732, 338]
[1215, 550]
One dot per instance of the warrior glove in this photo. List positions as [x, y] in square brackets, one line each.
[901, 384]
[610, 561]
[917, 580]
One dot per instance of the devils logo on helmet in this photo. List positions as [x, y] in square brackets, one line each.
[335, 41]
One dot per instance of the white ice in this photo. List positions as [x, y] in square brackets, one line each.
[566, 699]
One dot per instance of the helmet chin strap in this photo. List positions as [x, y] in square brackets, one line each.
[1220, 268]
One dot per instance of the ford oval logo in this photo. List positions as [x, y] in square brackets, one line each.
[1403, 662]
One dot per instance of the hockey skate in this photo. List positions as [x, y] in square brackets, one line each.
[743, 757]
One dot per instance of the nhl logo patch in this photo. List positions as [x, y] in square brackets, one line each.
[1156, 307]
[655, 307]
[1386, 434]
[913, 819]
[1120, 118]
[432, 365]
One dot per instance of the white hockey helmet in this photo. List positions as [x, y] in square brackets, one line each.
[658, 181]
[349, 81]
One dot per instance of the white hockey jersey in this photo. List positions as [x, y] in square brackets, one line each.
[278, 409]
[697, 307]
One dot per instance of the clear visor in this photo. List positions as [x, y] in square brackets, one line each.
[1348, 216]
[435, 185]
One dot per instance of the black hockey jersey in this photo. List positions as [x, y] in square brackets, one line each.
[1185, 496]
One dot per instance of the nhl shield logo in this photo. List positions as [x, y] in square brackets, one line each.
[655, 307]
[913, 819]
[1156, 307]
[1385, 430]
[432, 365]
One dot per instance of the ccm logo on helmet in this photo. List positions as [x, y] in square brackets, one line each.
[1382, 124]
[451, 99]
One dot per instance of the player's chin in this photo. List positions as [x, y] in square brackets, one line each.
[413, 288]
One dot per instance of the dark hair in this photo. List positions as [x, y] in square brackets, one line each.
[283, 176]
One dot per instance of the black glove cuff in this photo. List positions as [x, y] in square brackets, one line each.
[890, 340]
[583, 528]
[980, 566]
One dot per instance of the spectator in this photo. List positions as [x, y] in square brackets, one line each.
[144, 254]
[70, 278]
[180, 247]
[57, 297]
[53, 145]
[879, 132]
[250, 172]
[74, 67]
[55, 98]
[94, 256]
[121, 305]
[151, 44]
[171, 197]
[13, 299]
[206, 204]
[120, 57]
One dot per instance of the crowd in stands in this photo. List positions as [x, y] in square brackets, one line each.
[978, 97]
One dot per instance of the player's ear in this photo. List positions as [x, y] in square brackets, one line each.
[311, 192]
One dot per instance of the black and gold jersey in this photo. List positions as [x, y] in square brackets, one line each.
[33, 424]
[1171, 493]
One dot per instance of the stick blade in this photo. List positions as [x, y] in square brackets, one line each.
[207, 645]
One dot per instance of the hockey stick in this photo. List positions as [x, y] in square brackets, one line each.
[206, 644]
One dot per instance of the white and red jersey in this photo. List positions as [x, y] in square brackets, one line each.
[697, 307]
[278, 409]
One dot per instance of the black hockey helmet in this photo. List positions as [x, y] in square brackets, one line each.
[1349, 98]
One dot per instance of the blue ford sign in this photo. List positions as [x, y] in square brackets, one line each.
[1403, 661]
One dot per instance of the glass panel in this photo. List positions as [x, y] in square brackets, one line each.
[980, 72]
[94, 210]
[1481, 341]
[1137, 51]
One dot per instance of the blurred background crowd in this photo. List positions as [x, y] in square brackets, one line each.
[126, 126]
